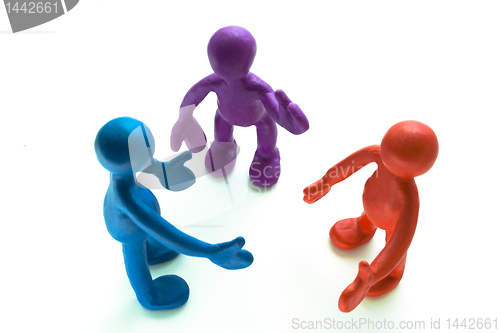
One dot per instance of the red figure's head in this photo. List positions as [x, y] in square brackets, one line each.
[409, 149]
[231, 51]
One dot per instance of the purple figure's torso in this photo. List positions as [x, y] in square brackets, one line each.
[239, 101]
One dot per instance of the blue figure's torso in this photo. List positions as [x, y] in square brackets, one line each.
[118, 223]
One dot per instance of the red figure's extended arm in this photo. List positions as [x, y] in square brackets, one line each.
[402, 235]
[340, 171]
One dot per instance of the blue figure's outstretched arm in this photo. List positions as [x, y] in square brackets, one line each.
[285, 113]
[156, 169]
[228, 255]
[173, 175]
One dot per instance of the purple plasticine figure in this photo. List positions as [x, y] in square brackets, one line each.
[243, 100]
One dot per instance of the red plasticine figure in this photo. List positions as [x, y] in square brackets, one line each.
[390, 202]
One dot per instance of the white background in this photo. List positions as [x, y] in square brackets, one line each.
[355, 68]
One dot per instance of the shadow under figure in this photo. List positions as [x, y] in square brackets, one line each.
[132, 215]
[244, 100]
[390, 201]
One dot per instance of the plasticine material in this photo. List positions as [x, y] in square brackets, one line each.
[243, 100]
[132, 215]
[390, 201]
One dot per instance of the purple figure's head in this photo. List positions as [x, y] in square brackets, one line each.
[231, 51]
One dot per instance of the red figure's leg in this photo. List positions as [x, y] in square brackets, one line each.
[350, 233]
[265, 168]
[390, 281]
[360, 287]
[221, 157]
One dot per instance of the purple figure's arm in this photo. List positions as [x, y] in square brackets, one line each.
[199, 91]
[285, 113]
[186, 128]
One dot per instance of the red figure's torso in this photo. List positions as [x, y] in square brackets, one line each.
[383, 198]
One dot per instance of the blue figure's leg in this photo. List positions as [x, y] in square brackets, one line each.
[265, 168]
[221, 156]
[158, 253]
[165, 292]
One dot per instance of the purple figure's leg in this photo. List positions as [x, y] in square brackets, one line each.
[265, 168]
[221, 157]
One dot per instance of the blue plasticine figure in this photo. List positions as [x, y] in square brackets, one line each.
[132, 215]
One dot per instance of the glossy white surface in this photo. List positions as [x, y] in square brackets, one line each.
[355, 68]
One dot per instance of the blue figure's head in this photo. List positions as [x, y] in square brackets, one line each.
[118, 140]
[231, 52]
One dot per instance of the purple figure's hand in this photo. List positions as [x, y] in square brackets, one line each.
[229, 255]
[291, 116]
[188, 130]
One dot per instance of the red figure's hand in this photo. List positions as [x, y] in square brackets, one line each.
[357, 290]
[316, 191]
[291, 116]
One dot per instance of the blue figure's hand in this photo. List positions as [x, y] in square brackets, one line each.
[173, 175]
[179, 177]
[229, 255]
[156, 169]
[291, 116]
